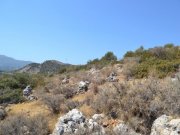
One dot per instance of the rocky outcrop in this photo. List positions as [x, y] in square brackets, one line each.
[27, 91]
[123, 129]
[75, 122]
[112, 77]
[83, 86]
[166, 125]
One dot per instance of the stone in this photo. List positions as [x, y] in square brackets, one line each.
[74, 121]
[83, 86]
[166, 125]
[27, 91]
[97, 117]
[65, 81]
[124, 129]
[32, 98]
[112, 77]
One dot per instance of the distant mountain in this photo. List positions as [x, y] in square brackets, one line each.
[9, 64]
[49, 66]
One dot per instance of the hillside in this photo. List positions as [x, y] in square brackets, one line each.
[138, 95]
[49, 66]
[9, 64]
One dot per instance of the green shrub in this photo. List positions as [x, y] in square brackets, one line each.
[11, 96]
[11, 86]
[163, 60]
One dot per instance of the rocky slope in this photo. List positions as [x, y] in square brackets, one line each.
[74, 122]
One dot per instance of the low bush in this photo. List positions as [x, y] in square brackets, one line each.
[22, 125]
[140, 104]
[53, 102]
[11, 96]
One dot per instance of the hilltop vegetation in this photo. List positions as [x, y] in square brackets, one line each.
[160, 61]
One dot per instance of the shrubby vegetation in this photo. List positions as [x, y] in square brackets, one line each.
[11, 86]
[23, 125]
[141, 104]
[107, 59]
[161, 60]
[138, 105]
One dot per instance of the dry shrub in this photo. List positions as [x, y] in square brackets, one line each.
[95, 89]
[128, 69]
[72, 104]
[106, 102]
[82, 76]
[146, 102]
[140, 104]
[21, 125]
[68, 92]
[54, 102]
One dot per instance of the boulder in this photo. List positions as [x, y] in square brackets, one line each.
[123, 129]
[27, 91]
[166, 125]
[83, 86]
[73, 122]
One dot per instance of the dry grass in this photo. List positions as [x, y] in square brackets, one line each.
[83, 97]
[88, 111]
[32, 109]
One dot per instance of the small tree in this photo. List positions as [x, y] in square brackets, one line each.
[109, 56]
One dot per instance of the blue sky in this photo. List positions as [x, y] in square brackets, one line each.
[75, 31]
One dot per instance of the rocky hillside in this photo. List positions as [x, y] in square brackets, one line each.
[9, 64]
[50, 66]
[104, 97]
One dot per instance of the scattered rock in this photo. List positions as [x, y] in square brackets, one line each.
[27, 91]
[65, 81]
[97, 117]
[112, 77]
[166, 125]
[124, 129]
[74, 121]
[93, 71]
[83, 86]
[32, 98]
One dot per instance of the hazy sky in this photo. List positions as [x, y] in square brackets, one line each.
[75, 31]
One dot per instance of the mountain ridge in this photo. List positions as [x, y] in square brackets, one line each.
[48, 66]
[9, 64]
